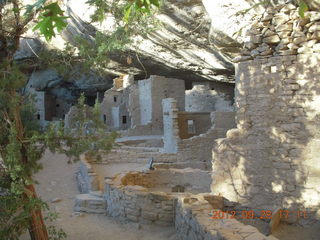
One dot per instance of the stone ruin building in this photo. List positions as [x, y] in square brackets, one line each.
[53, 95]
[49, 107]
[265, 161]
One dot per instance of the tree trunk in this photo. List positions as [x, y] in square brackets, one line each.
[38, 230]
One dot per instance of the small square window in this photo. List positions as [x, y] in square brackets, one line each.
[115, 98]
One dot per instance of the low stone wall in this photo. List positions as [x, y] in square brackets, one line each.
[129, 197]
[126, 154]
[136, 204]
[87, 179]
[142, 130]
[193, 221]
[199, 148]
[150, 197]
[90, 203]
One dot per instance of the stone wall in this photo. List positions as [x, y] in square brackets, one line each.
[193, 220]
[282, 32]
[197, 148]
[150, 197]
[126, 154]
[140, 109]
[271, 159]
[146, 197]
[136, 204]
[111, 100]
[193, 124]
[87, 179]
[43, 103]
[143, 130]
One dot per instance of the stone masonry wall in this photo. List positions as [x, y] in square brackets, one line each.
[87, 179]
[112, 98]
[200, 123]
[193, 221]
[272, 158]
[134, 204]
[197, 148]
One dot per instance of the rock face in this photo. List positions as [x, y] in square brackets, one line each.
[179, 49]
[196, 41]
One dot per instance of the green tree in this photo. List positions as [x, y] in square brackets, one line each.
[22, 143]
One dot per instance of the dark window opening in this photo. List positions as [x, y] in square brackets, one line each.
[104, 119]
[191, 127]
[115, 98]
[38, 116]
[58, 105]
[90, 100]
[124, 119]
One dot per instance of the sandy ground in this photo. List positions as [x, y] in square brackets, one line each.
[57, 180]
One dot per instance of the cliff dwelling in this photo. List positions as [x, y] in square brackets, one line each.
[199, 121]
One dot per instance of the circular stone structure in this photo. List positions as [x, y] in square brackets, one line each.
[150, 196]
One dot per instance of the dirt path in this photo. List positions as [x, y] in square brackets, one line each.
[57, 181]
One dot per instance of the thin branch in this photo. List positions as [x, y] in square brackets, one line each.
[13, 34]
[32, 49]
[144, 69]
[16, 11]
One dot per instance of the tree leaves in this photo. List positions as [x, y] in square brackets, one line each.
[51, 19]
[139, 7]
[37, 5]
